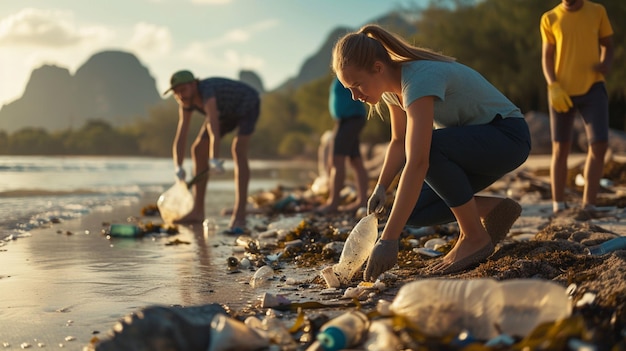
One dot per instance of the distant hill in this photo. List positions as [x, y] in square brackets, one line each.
[115, 87]
[112, 86]
[318, 64]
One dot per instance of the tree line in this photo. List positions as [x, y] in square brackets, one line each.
[500, 39]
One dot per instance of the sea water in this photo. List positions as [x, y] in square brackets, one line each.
[38, 190]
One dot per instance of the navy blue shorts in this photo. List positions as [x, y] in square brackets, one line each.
[594, 109]
[466, 160]
[246, 123]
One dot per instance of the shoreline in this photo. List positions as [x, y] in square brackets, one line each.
[68, 280]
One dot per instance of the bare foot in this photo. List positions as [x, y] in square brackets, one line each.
[191, 217]
[188, 220]
[464, 249]
[325, 209]
[353, 207]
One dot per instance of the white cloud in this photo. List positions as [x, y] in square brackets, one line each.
[47, 28]
[151, 39]
[241, 35]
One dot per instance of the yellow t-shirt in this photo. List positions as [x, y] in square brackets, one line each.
[576, 36]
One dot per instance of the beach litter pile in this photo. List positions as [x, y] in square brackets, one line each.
[542, 289]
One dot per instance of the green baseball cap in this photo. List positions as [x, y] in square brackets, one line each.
[180, 77]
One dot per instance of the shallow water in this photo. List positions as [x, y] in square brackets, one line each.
[67, 280]
[36, 190]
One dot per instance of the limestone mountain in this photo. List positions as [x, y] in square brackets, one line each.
[318, 65]
[112, 86]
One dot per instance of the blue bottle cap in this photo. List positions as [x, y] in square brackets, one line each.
[332, 339]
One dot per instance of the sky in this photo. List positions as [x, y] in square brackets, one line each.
[208, 37]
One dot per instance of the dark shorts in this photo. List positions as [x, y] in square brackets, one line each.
[466, 160]
[594, 109]
[246, 123]
[347, 131]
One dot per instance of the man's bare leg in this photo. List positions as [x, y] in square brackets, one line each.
[594, 169]
[200, 157]
[239, 150]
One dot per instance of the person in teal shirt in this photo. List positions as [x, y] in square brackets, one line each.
[350, 116]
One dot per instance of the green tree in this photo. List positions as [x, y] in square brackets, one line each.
[99, 138]
[4, 143]
[277, 118]
[32, 141]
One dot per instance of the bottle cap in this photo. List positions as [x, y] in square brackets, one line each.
[332, 339]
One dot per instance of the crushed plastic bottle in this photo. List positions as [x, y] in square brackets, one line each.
[530, 302]
[357, 248]
[441, 307]
[381, 336]
[618, 243]
[277, 332]
[230, 334]
[345, 331]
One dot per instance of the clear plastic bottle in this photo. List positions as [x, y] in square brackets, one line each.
[357, 248]
[381, 336]
[530, 302]
[618, 243]
[344, 331]
[277, 332]
[440, 307]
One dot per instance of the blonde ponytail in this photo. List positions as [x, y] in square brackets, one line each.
[399, 50]
[372, 43]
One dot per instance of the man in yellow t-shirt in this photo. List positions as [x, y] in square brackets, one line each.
[577, 51]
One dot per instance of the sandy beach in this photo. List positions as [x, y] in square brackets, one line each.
[68, 283]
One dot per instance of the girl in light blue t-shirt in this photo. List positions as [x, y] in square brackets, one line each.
[452, 135]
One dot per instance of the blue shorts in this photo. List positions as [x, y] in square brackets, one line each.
[594, 109]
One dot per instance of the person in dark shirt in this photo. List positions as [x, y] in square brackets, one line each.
[227, 105]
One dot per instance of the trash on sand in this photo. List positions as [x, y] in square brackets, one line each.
[121, 230]
[270, 300]
[427, 252]
[261, 277]
[530, 302]
[329, 277]
[175, 202]
[345, 331]
[381, 337]
[448, 306]
[230, 334]
[357, 248]
[609, 246]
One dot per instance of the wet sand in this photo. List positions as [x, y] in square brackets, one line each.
[68, 283]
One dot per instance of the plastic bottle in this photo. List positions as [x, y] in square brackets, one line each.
[357, 248]
[618, 243]
[277, 332]
[441, 307]
[530, 302]
[381, 337]
[119, 230]
[345, 331]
